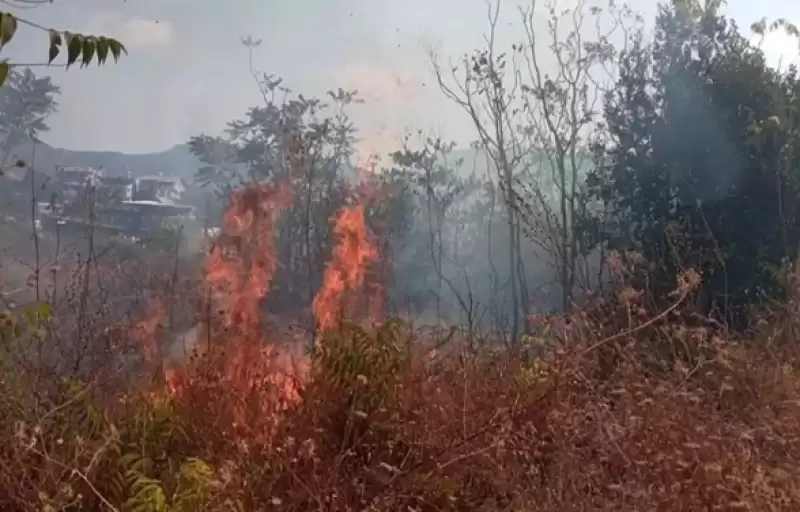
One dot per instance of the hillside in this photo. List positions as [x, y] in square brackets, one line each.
[176, 161]
[179, 162]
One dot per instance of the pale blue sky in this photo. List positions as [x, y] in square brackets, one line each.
[188, 73]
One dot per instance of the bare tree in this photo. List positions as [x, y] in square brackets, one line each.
[484, 88]
[537, 127]
[561, 110]
[442, 194]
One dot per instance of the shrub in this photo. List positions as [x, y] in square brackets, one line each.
[625, 409]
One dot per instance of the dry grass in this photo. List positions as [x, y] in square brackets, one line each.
[628, 410]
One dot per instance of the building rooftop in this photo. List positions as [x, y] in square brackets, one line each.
[162, 179]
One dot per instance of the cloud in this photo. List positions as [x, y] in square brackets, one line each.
[134, 32]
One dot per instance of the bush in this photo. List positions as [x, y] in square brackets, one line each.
[626, 409]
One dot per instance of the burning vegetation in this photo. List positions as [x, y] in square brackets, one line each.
[625, 405]
[413, 338]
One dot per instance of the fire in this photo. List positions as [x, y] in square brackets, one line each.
[146, 334]
[346, 271]
[240, 273]
[355, 252]
[257, 374]
[146, 330]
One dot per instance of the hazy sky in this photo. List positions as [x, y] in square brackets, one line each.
[187, 71]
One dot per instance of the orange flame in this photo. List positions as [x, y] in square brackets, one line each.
[240, 274]
[145, 331]
[346, 271]
[239, 271]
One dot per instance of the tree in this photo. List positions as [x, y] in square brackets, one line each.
[390, 217]
[484, 93]
[700, 168]
[220, 168]
[441, 194]
[305, 141]
[535, 126]
[25, 104]
[561, 109]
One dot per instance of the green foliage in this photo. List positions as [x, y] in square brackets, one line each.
[193, 482]
[81, 412]
[152, 474]
[702, 169]
[8, 27]
[218, 157]
[358, 366]
[287, 134]
[16, 329]
[86, 48]
[16, 325]
[305, 142]
[144, 453]
[26, 101]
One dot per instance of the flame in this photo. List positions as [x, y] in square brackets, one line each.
[145, 331]
[240, 273]
[345, 273]
[371, 189]
[261, 378]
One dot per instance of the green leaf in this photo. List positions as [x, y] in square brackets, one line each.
[8, 26]
[117, 49]
[30, 316]
[4, 69]
[102, 50]
[55, 45]
[89, 46]
[74, 47]
[45, 311]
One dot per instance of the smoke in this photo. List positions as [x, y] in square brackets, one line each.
[702, 138]
[457, 271]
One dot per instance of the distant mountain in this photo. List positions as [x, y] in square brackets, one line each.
[179, 162]
[176, 162]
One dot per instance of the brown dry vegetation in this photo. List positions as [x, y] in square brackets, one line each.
[632, 401]
[629, 410]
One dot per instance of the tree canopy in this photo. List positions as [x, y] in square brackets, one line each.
[701, 163]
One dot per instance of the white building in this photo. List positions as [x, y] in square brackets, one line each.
[160, 188]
